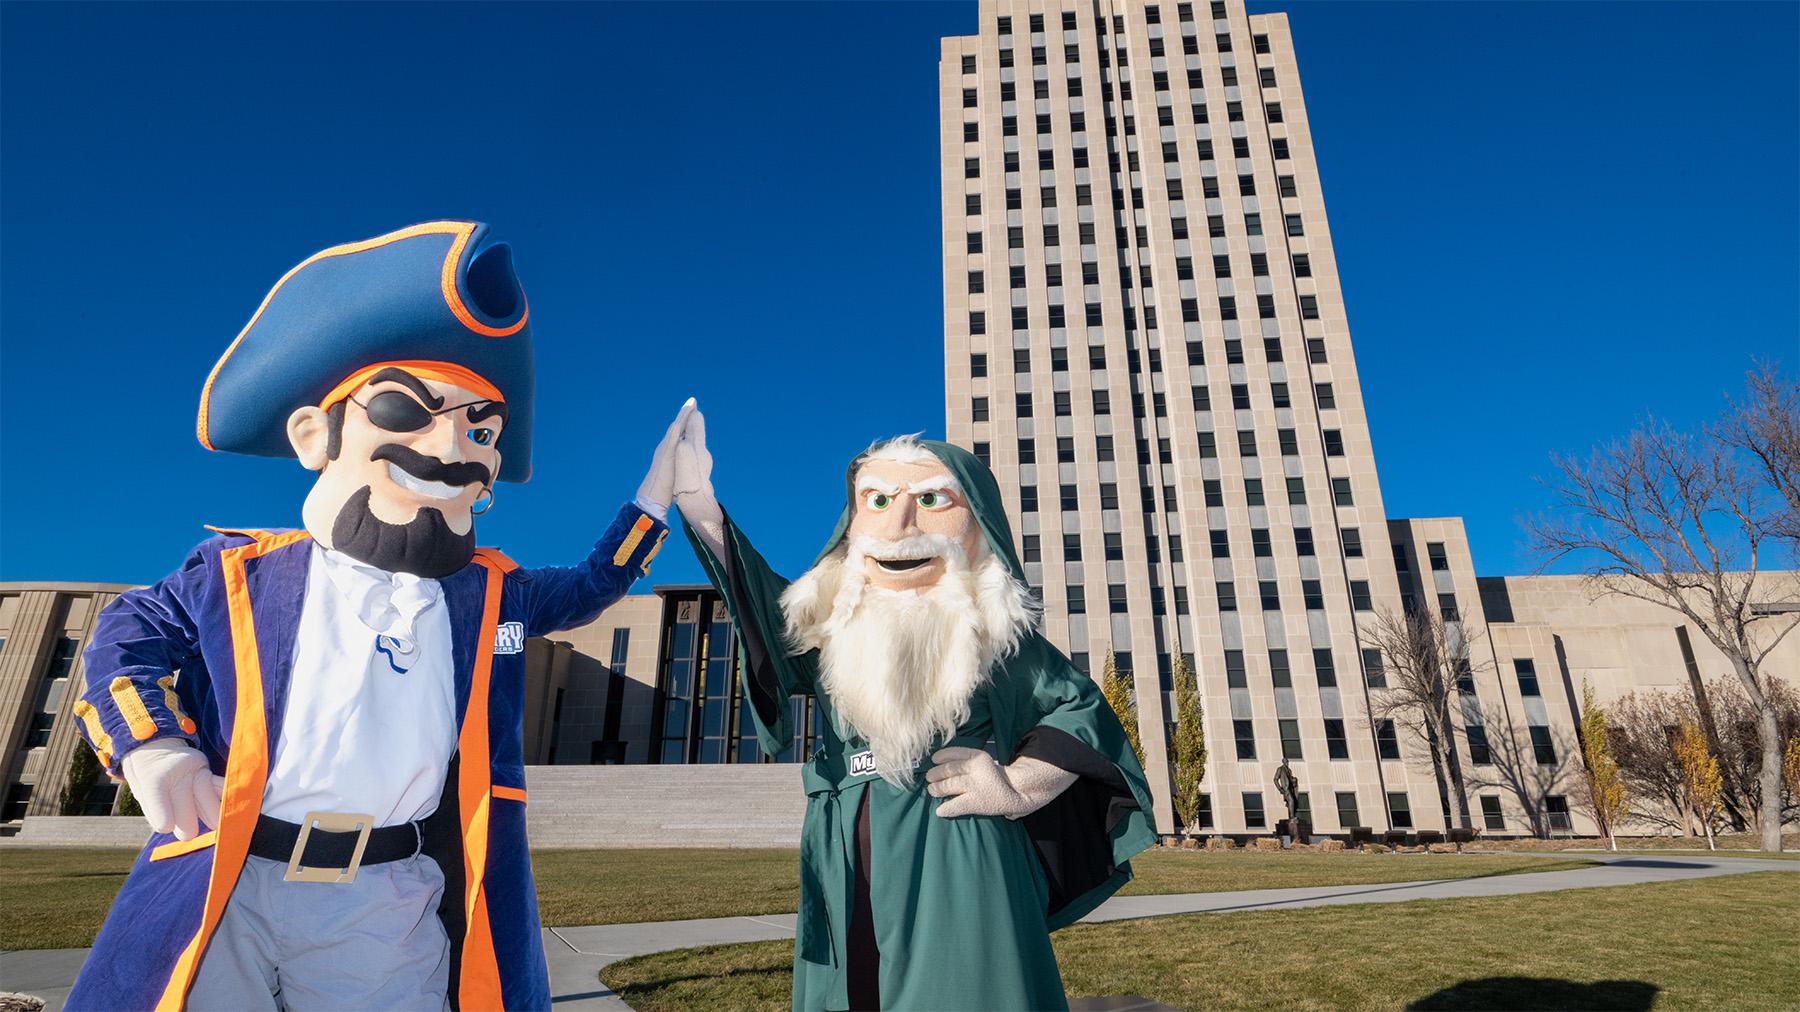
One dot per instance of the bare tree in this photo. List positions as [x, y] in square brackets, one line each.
[1681, 522]
[1424, 660]
[1739, 742]
[1643, 729]
[1765, 426]
[1514, 766]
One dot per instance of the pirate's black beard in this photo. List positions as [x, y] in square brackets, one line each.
[423, 546]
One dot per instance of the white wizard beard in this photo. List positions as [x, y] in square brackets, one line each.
[901, 669]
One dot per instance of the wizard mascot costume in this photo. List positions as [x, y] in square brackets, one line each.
[932, 870]
[323, 724]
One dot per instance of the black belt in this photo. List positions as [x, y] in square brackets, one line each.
[276, 840]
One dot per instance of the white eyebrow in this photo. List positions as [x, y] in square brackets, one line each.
[936, 483]
[870, 483]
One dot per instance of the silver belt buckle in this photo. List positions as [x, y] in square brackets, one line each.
[330, 822]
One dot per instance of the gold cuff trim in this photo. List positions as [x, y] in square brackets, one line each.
[90, 718]
[172, 700]
[633, 540]
[131, 705]
[650, 556]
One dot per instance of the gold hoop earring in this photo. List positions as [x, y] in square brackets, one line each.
[489, 492]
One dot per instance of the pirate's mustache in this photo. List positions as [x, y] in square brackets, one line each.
[424, 468]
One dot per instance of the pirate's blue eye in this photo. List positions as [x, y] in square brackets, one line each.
[481, 437]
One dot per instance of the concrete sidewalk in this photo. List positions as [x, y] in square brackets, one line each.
[577, 955]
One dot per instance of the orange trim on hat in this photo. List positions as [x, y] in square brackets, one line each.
[443, 372]
[462, 230]
[453, 297]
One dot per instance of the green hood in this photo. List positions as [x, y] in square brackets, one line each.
[977, 483]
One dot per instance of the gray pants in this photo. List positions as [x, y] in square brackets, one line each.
[376, 943]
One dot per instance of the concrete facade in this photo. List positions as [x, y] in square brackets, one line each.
[1145, 337]
[44, 627]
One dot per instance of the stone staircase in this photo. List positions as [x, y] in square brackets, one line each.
[665, 806]
[574, 806]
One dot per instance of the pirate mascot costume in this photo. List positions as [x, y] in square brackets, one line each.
[323, 725]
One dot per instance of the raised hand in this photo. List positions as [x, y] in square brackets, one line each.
[976, 784]
[175, 785]
[657, 491]
[693, 485]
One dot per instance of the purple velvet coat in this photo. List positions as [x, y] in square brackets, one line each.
[205, 654]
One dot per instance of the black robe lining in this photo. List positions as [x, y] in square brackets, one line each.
[862, 964]
[1073, 833]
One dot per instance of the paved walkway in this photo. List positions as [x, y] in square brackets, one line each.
[578, 954]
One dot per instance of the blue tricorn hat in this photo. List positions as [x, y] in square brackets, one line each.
[435, 299]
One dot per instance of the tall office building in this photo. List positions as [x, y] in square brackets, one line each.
[1145, 337]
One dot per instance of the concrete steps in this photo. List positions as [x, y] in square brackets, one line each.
[665, 806]
[575, 806]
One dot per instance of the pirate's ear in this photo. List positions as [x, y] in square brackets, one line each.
[309, 432]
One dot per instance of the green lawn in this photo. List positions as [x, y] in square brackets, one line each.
[1721, 943]
[57, 898]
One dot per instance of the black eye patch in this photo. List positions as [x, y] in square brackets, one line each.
[397, 412]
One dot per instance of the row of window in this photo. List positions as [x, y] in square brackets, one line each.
[1062, 403]
[1199, 112]
[1259, 267]
[1254, 495]
[1032, 550]
[1052, 237]
[1078, 158]
[1084, 197]
[1152, 16]
[1190, 46]
[1287, 440]
[1196, 355]
[1556, 810]
[1268, 593]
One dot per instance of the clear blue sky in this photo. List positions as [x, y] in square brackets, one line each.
[1549, 219]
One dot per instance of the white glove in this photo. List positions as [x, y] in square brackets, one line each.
[976, 784]
[176, 788]
[657, 491]
[693, 486]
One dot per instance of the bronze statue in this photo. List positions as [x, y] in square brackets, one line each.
[1289, 787]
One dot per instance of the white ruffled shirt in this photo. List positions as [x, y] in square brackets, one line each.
[371, 713]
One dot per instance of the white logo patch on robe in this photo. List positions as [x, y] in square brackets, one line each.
[862, 764]
[509, 638]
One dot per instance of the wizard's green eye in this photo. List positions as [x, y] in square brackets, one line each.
[878, 501]
[933, 501]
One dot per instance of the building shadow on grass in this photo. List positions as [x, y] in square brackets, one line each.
[1540, 993]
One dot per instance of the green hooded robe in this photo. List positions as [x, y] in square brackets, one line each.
[962, 908]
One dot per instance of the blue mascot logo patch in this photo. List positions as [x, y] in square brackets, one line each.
[509, 638]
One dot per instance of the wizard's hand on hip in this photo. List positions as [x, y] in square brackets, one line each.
[974, 783]
[693, 485]
[175, 786]
[658, 489]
